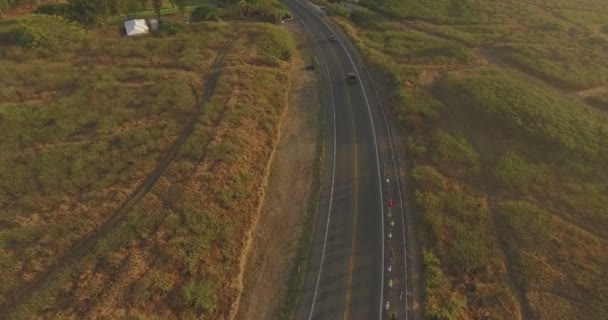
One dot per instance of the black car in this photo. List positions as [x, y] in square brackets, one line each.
[332, 39]
[351, 78]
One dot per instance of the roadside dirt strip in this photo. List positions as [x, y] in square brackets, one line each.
[276, 235]
[79, 250]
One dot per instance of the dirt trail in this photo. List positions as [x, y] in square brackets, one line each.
[85, 245]
[587, 93]
[525, 311]
[274, 240]
[597, 30]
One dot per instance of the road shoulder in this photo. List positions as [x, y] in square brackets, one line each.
[275, 238]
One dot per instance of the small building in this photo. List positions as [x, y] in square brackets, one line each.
[153, 24]
[135, 27]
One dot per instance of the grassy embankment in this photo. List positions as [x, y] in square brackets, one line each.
[510, 179]
[86, 119]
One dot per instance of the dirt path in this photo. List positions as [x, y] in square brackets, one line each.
[85, 245]
[275, 238]
[592, 91]
[597, 30]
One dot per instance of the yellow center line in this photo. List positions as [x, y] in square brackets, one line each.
[354, 239]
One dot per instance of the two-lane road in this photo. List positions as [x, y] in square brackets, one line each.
[347, 273]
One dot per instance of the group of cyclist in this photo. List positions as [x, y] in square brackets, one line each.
[391, 223]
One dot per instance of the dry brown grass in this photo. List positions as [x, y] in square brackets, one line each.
[176, 252]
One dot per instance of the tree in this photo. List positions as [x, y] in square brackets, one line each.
[143, 4]
[130, 6]
[158, 5]
[126, 8]
[181, 5]
[93, 11]
[3, 5]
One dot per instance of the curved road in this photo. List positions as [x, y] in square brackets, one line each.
[347, 273]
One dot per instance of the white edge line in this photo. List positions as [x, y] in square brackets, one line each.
[375, 145]
[394, 160]
[331, 192]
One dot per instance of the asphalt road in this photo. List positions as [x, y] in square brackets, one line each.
[347, 272]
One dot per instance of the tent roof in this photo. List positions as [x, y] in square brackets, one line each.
[136, 26]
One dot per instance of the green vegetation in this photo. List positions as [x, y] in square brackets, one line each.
[437, 11]
[84, 125]
[510, 177]
[583, 17]
[550, 39]
[50, 32]
[276, 46]
[442, 302]
[601, 100]
[205, 12]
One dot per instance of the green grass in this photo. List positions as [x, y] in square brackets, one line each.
[530, 112]
[437, 11]
[583, 17]
[535, 142]
[547, 39]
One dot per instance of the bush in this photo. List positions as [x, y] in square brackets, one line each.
[48, 32]
[441, 302]
[276, 45]
[454, 155]
[270, 11]
[513, 171]
[528, 224]
[56, 9]
[171, 27]
[337, 10]
[363, 17]
[201, 296]
[205, 12]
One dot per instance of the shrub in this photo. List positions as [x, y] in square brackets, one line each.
[512, 171]
[47, 31]
[270, 11]
[362, 17]
[441, 302]
[172, 27]
[55, 9]
[454, 154]
[201, 296]
[205, 12]
[527, 224]
[276, 45]
[429, 180]
[337, 10]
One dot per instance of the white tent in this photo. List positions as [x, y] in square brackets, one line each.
[136, 26]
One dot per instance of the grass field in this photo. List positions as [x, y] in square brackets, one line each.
[86, 126]
[551, 39]
[510, 175]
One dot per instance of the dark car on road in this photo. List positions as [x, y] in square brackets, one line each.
[332, 39]
[351, 78]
